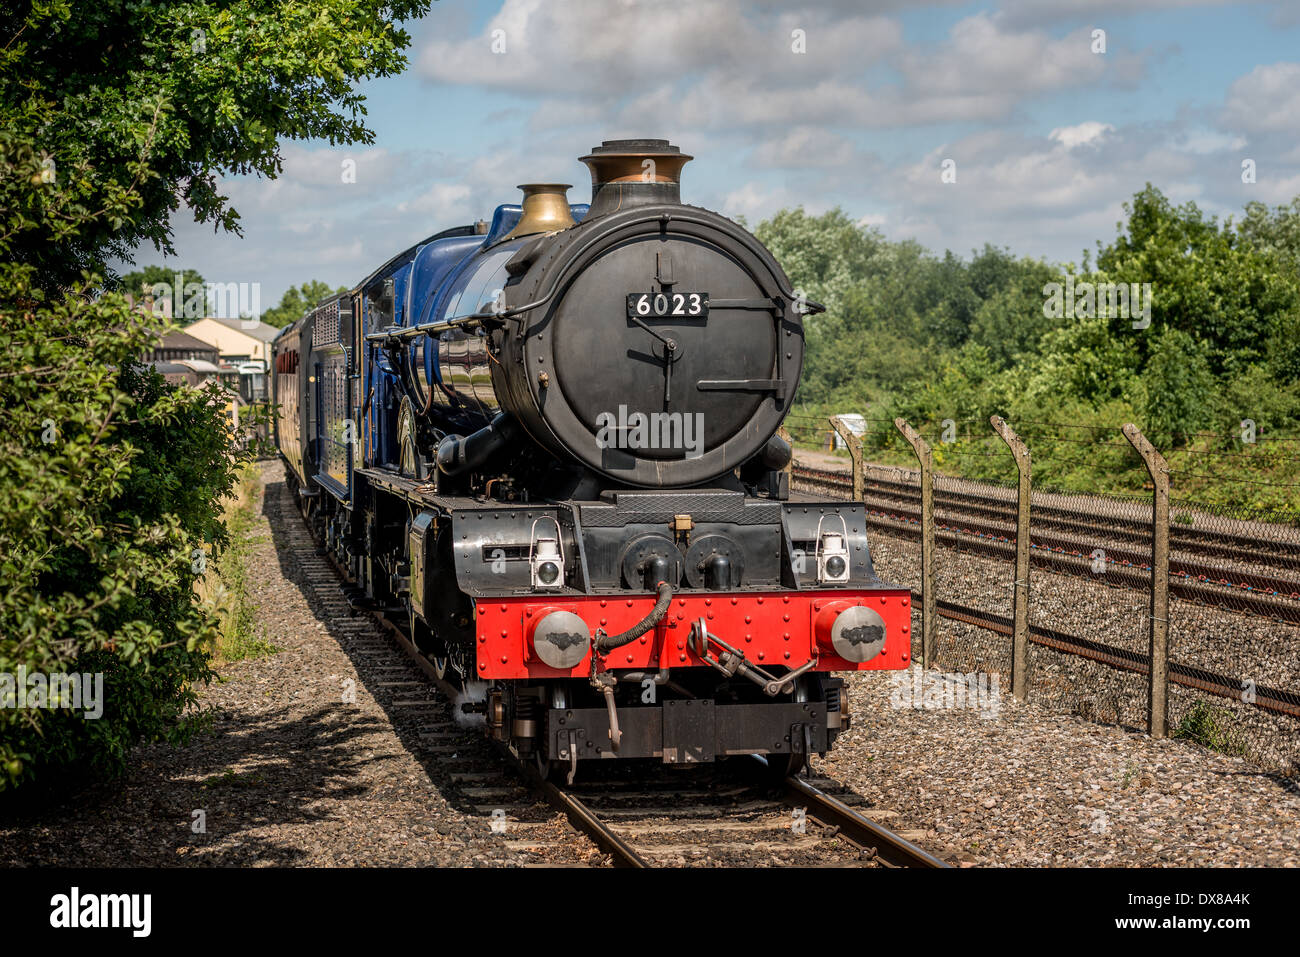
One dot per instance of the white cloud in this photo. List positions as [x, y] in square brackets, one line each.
[1089, 133]
[772, 128]
[723, 64]
[1204, 141]
[804, 146]
[1265, 100]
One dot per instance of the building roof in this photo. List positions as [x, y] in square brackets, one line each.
[199, 365]
[257, 330]
[182, 340]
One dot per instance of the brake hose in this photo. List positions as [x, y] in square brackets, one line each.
[606, 642]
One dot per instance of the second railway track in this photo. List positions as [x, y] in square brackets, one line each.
[1222, 570]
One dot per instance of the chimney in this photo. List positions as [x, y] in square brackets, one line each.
[546, 209]
[627, 173]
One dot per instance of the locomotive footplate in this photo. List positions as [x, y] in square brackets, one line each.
[690, 732]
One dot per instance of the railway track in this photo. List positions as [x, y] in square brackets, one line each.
[1065, 539]
[726, 817]
[971, 536]
[710, 815]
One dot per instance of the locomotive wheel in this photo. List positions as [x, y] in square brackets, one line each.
[551, 770]
[439, 666]
[782, 766]
[431, 647]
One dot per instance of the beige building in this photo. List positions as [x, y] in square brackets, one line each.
[237, 340]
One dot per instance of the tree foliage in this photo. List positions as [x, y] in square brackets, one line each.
[114, 115]
[930, 337]
[125, 109]
[298, 300]
[141, 280]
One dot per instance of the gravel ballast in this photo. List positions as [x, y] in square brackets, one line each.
[294, 774]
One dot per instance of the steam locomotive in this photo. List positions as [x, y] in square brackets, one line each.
[549, 446]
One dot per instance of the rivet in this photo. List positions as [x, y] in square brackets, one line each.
[734, 600]
[708, 601]
[760, 599]
[787, 654]
[604, 621]
[761, 656]
[504, 659]
[681, 657]
[603, 603]
[748, 619]
[786, 599]
[483, 666]
[629, 659]
[505, 633]
[505, 608]
[710, 614]
[629, 603]
[786, 617]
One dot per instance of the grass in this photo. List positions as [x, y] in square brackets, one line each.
[225, 587]
[1210, 727]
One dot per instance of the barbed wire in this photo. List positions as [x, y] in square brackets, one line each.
[1219, 478]
[1019, 424]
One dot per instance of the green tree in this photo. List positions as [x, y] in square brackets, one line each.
[117, 112]
[112, 116]
[928, 337]
[298, 300]
[1205, 278]
[1178, 385]
[138, 280]
[1274, 231]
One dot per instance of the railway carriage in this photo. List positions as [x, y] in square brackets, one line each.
[547, 445]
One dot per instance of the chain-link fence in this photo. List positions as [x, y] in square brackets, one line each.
[1109, 581]
[1089, 604]
[1234, 630]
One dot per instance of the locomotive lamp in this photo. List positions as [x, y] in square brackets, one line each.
[832, 559]
[548, 564]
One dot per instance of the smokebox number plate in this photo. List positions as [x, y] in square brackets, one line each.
[661, 305]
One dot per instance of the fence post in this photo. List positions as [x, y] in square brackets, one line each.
[926, 458]
[1158, 695]
[1020, 590]
[854, 444]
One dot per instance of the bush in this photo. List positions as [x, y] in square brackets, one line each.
[110, 480]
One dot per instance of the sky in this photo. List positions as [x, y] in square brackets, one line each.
[1050, 125]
